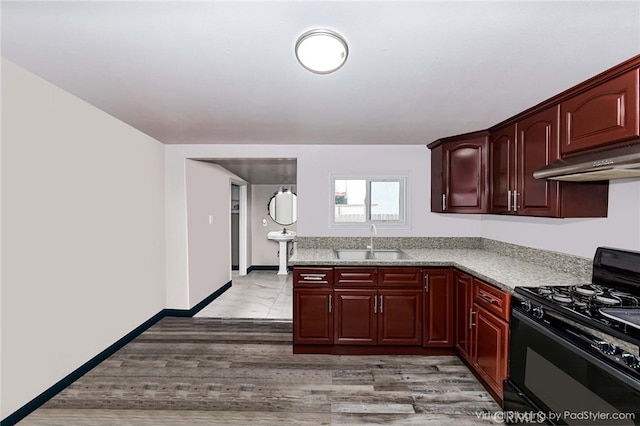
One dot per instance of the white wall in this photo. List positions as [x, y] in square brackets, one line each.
[264, 251]
[209, 244]
[315, 165]
[82, 233]
[580, 237]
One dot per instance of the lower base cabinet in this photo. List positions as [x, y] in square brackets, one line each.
[313, 315]
[418, 310]
[490, 337]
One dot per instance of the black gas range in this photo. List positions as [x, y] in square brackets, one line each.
[576, 349]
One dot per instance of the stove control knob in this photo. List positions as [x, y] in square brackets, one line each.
[525, 305]
[607, 348]
[538, 312]
[631, 360]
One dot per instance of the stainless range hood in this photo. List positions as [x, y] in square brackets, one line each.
[615, 163]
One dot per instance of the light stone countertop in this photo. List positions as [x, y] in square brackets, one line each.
[497, 269]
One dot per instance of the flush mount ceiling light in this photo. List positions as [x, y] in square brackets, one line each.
[321, 51]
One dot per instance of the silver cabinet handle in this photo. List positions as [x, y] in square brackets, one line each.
[515, 201]
[487, 299]
[381, 302]
[444, 201]
[426, 283]
[330, 303]
[471, 314]
[509, 200]
[375, 304]
[312, 277]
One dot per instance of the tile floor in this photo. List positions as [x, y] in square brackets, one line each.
[259, 294]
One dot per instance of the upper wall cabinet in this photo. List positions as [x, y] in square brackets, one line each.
[459, 174]
[519, 149]
[492, 172]
[602, 115]
[502, 166]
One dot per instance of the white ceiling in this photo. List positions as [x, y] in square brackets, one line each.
[225, 71]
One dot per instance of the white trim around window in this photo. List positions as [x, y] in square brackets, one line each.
[351, 205]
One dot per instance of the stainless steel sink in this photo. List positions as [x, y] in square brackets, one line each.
[364, 254]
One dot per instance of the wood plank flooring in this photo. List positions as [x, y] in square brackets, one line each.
[207, 371]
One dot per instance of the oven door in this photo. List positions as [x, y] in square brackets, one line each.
[568, 384]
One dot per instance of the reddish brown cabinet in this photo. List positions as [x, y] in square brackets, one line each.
[459, 175]
[400, 317]
[516, 151]
[438, 308]
[463, 292]
[358, 306]
[502, 180]
[313, 313]
[313, 306]
[356, 317]
[490, 335]
[519, 149]
[604, 114]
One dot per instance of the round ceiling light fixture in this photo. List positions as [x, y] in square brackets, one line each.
[321, 51]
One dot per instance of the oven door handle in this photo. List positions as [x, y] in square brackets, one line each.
[575, 349]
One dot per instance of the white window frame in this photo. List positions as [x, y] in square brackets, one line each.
[404, 177]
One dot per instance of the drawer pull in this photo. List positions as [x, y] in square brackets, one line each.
[471, 314]
[375, 305]
[426, 283]
[313, 277]
[487, 299]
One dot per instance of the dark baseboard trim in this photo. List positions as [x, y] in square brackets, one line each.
[235, 267]
[36, 402]
[262, 268]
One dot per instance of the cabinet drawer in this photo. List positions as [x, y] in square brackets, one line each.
[400, 277]
[313, 277]
[355, 277]
[492, 299]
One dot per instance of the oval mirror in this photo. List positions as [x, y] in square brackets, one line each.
[283, 208]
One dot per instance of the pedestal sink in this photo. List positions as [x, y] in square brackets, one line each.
[282, 237]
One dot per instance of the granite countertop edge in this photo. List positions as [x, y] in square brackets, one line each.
[499, 270]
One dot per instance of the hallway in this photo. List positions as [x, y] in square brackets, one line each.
[259, 294]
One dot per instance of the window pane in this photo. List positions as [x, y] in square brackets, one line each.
[385, 200]
[350, 200]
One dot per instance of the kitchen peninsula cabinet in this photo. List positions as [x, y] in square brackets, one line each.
[604, 114]
[313, 306]
[459, 175]
[357, 307]
[388, 312]
[438, 308]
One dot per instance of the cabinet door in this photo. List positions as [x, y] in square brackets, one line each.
[438, 308]
[313, 316]
[355, 317]
[537, 144]
[604, 114]
[400, 317]
[463, 295]
[502, 173]
[437, 188]
[490, 348]
[464, 174]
